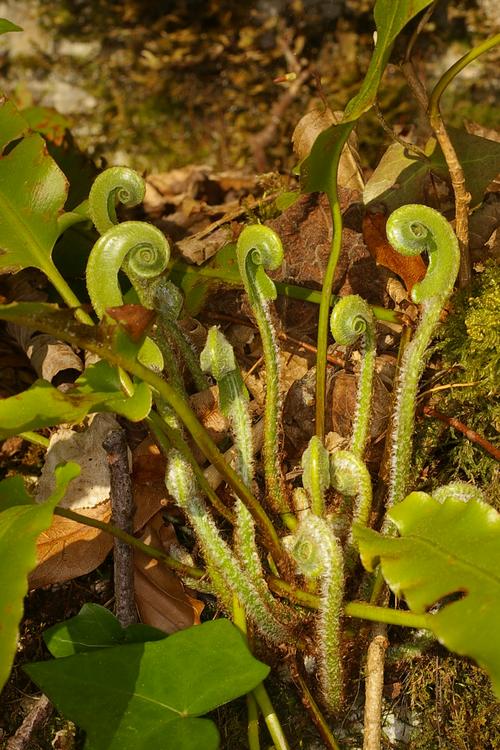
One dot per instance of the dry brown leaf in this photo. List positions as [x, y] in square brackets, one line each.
[68, 549]
[307, 130]
[91, 487]
[136, 319]
[159, 594]
[409, 268]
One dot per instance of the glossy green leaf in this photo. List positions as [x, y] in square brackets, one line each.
[150, 695]
[6, 26]
[444, 549]
[42, 405]
[95, 627]
[390, 19]
[21, 522]
[399, 177]
[32, 194]
[319, 170]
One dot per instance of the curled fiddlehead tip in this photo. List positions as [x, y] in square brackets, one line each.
[142, 246]
[179, 479]
[217, 357]
[351, 317]
[306, 549]
[260, 247]
[413, 229]
[347, 472]
[114, 185]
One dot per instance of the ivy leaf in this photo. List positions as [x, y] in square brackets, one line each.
[21, 522]
[144, 695]
[319, 170]
[6, 26]
[399, 177]
[449, 548]
[95, 627]
[97, 390]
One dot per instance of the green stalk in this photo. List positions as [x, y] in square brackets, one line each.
[324, 311]
[259, 248]
[108, 528]
[270, 717]
[455, 69]
[179, 269]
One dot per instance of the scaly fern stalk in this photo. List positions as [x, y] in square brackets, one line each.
[411, 230]
[218, 359]
[318, 555]
[351, 318]
[258, 248]
[316, 476]
[350, 476]
[181, 485]
[168, 301]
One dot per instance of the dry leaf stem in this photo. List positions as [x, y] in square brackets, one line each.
[122, 516]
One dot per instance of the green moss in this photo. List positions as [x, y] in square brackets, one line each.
[452, 704]
[469, 360]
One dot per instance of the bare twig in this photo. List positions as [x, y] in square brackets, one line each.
[419, 153]
[122, 515]
[473, 436]
[374, 683]
[39, 714]
[261, 140]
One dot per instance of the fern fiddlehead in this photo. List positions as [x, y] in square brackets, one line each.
[316, 474]
[351, 318]
[218, 359]
[114, 185]
[259, 248]
[147, 252]
[411, 230]
[318, 555]
[181, 484]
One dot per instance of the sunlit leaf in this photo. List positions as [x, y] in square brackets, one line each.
[144, 695]
[98, 389]
[448, 548]
[319, 170]
[400, 176]
[21, 521]
[6, 26]
[33, 191]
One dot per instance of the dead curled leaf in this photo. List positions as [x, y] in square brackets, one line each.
[409, 268]
[68, 549]
[160, 596]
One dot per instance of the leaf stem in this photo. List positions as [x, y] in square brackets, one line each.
[455, 69]
[324, 310]
[108, 528]
[179, 269]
